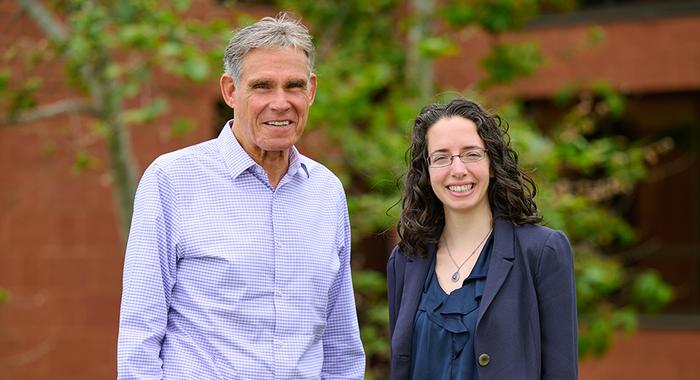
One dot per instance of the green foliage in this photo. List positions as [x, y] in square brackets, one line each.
[595, 329]
[365, 106]
[4, 79]
[494, 16]
[4, 295]
[147, 113]
[650, 292]
[84, 161]
[507, 62]
[436, 47]
[580, 170]
[23, 97]
[181, 127]
[153, 34]
[596, 35]
[373, 317]
[109, 51]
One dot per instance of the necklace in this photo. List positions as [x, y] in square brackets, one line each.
[455, 275]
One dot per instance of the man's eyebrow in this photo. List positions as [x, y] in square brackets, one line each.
[259, 82]
[296, 83]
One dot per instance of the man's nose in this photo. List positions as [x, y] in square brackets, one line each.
[280, 101]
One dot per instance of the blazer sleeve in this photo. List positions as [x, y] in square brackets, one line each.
[391, 290]
[556, 293]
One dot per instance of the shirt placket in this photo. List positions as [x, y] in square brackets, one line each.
[278, 246]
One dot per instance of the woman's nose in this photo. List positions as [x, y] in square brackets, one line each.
[457, 167]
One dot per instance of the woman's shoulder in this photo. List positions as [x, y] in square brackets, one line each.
[535, 237]
[397, 254]
[536, 231]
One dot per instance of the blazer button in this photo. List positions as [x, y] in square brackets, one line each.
[484, 360]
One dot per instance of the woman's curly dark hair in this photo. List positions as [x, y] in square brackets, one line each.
[510, 191]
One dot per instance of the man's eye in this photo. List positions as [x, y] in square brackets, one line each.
[260, 85]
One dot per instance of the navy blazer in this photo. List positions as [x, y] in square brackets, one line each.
[527, 326]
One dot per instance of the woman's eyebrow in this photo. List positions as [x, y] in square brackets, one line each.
[464, 148]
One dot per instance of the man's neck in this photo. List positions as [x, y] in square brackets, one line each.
[274, 163]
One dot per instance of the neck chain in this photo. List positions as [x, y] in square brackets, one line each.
[455, 275]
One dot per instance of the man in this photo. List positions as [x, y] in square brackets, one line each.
[238, 260]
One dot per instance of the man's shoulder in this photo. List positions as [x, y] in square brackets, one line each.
[185, 158]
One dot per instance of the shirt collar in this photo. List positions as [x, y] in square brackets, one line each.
[297, 161]
[238, 161]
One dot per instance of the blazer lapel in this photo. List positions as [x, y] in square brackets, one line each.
[501, 262]
[414, 279]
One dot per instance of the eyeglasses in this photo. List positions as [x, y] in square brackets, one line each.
[441, 160]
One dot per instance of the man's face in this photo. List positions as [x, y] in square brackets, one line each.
[271, 102]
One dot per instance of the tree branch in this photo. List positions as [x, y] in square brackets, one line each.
[419, 68]
[50, 110]
[44, 20]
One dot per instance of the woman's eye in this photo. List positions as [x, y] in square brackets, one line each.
[440, 159]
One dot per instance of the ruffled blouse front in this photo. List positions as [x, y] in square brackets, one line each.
[443, 335]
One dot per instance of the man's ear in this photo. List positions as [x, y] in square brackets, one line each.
[312, 88]
[228, 89]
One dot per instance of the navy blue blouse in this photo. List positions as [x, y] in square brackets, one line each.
[443, 337]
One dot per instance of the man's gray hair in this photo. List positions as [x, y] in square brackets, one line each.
[269, 32]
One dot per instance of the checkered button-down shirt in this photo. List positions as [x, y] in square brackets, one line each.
[226, 277]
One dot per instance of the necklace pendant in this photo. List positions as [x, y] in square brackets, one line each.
[455, 276]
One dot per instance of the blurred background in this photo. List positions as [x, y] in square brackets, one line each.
[602, 98]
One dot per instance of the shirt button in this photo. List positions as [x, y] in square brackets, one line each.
[278, 343]
[278, 293]
[484, 360]
[278, 245]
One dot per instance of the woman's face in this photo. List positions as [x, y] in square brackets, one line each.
[461, 187]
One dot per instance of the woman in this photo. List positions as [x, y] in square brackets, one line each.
[477, 289]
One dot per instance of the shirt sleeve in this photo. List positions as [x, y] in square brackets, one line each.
[556, 293]
[343, 354]
[149, 276]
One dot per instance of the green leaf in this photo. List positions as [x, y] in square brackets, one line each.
[507, 62]
[650, 291]
[495, 16]
[596, 35]
[181, 127]
[181, 5]
[4, 80]
[369, 281]
[170, 49]
[147, 113]
[84, 161]
[4, 295]
[625, 319]
[436, 47]
[595, 334]
[196, 67]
